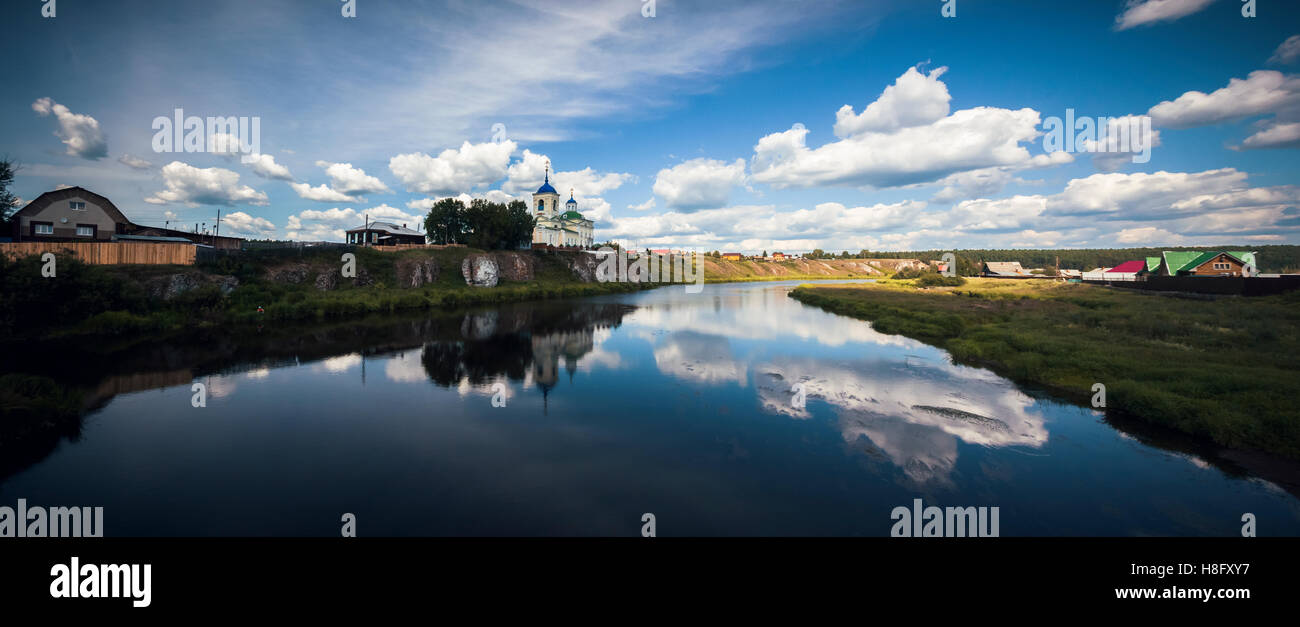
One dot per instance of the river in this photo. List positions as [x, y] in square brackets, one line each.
[733, 412]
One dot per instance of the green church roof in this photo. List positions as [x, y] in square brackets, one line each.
[572, 215]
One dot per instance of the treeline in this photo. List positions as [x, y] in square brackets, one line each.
[482, 224]
[1271, 258]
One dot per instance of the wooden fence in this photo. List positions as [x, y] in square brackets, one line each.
[108, 253]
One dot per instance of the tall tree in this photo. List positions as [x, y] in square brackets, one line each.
[445, 223]
[8, 201]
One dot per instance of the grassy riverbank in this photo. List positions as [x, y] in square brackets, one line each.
[1223, 369]
[100, 301]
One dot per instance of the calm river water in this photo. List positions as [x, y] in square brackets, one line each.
[577, 417]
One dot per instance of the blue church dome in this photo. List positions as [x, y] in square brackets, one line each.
[546, 187]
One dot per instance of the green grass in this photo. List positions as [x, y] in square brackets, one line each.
[85, 300]
[1223, 369]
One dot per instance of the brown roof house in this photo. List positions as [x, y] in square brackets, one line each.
[76, 214]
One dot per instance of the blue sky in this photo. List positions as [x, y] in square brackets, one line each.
[723, 125]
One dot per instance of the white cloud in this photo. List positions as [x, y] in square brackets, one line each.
[1140, 196]
[699, 183]
[1262, 92]
[453, 171]
[645, 206]
[386, 213]
[203, 186]
[351, 181]
[1144, 12]
[913, 100]
[1288, 51]
[1275, 136]
[316, 225]
[321, 193]
[79, 132]
[134, 163]
[265, 166]
[243, 225]
[1003, 214]
[966, 140]
[1147, 236]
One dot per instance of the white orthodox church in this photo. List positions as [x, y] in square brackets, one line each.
[560, 229]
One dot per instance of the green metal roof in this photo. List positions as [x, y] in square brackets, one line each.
[1153, 263]
[1180, 261]
[572, 215]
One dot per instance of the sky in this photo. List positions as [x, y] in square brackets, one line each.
[740, 125]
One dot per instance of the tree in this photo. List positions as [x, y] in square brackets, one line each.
[8, 201]
[494, 226]
[765, 254]
[445, 223]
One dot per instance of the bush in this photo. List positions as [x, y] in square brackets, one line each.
[938, 280]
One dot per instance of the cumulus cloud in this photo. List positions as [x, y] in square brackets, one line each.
[321, 193]
[266, 167]
[913, 100]
[79, 132]
[349, 180]
[453, 171]
[966, 140]
[134, 163]
[332, 224]
[317, 225]
[243, 225]
[1140, 195]
[1146, 12]
[1262, 92]
[699, 183]
[1275, 136]
[203, 186]
[524, 176]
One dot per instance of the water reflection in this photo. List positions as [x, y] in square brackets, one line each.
[657, 401]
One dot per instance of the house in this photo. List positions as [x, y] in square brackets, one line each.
[383, 234]
[778, 256]
[1004, 269]
[68, 215]
[1222, 263]
[1066, 273]
[75, 214]
[732, 256]
[1127, 271]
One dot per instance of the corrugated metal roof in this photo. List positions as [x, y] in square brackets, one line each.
[1008, 268]
[386, 227]
[1136, 265]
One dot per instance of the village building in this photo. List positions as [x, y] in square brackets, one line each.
[383, 234]
[732, 256]
[567, 229]
[1222, 263]
[75, 214]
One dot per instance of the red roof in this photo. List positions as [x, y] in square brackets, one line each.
[1130, 266]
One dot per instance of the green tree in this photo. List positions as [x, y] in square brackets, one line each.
[8, 201]
[445, 223]
[496, 226]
